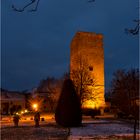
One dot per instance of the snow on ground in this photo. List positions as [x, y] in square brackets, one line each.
[103, 130]
[46, 132]
[91, 130]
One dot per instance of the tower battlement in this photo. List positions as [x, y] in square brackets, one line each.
[84, 38]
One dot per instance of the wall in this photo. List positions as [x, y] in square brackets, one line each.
[87, 49]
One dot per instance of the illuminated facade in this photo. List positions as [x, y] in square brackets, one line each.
[11, 101]
[87, 52]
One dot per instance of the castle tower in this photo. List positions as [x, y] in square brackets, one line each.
[87, 59]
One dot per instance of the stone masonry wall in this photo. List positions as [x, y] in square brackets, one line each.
[90, 47]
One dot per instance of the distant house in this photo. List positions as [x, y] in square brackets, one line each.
[12, 101]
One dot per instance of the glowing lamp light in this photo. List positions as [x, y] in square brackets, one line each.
[26, 111]
[22, 112]
[35, 106]
[17, 113]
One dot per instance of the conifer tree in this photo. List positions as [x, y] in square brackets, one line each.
[68, 111]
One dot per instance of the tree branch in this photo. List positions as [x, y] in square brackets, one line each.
[134, 31]
[27, 5]
[91, 0]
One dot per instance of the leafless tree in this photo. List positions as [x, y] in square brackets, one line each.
[49, 89]
[125, 93]
[85, 84]
[91, 0]
[125, 85]
[33, 3]
[135, 30]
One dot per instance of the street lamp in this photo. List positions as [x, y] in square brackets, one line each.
[35, 106]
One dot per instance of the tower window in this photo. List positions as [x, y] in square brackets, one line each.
[90, 68]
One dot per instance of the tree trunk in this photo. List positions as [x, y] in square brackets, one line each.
[135, 127]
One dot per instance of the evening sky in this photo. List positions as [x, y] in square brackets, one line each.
[36, 45]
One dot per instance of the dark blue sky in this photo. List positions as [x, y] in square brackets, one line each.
[36, 45]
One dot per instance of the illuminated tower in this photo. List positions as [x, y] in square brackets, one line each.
[87, 52]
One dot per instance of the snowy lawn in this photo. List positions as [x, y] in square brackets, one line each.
[91, 130]
[49, 132]
[104, 131]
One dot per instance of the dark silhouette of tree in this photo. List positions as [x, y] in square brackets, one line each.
[68, 111]
[125, 86]
[49, 90]
[91, 0]
[31, 3]
[135, 30]
[125, 93]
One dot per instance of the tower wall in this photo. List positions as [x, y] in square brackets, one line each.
[90, 47]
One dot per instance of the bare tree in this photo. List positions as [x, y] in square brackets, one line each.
[91, 0]
[33, 3]
[133, 87]
[125, 93]
[49, 89]
[134, 30]
[125, 86]
[85, 83]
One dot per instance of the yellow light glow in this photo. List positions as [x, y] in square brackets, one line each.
[89, 104]
[93, 104]
[22, 112]
[35, 106]
[17, 113]
[96, 98]
[26, 111]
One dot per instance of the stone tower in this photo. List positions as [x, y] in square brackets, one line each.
[87, 53]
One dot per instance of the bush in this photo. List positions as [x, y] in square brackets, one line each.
[90, 112]
[121, 115]
[42, 119]
[68, 111]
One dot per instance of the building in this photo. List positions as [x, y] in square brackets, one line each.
[11, 102]
[87, 59]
